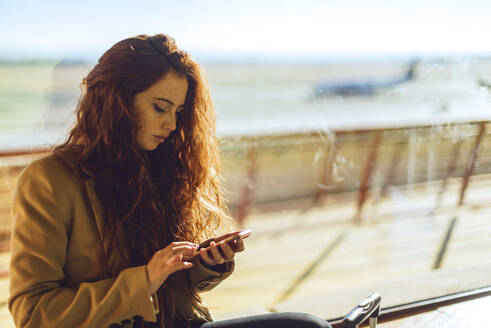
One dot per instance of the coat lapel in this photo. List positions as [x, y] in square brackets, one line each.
[115, 261]
[95, 204]
[86, 178]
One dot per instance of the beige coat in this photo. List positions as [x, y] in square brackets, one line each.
[55, 251]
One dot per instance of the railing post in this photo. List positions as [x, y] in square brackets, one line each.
[326, 173]
[391, 172]
[367, 174]
[249, 184]
[471, 162]
[452, 164]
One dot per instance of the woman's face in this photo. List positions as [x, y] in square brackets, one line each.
[157, 109]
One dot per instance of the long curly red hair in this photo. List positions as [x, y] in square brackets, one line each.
[150, 198]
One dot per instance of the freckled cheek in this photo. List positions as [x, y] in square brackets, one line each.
[142, 132]
[145, 124]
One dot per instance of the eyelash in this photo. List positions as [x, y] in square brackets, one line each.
[158, 109]
[162, 110]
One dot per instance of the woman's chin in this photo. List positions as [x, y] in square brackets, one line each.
[149, 147]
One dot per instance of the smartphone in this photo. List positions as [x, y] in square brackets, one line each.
[239, 235]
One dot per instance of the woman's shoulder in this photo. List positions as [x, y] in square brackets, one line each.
[52, 169]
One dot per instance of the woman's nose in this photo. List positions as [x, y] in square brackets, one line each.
[170, 122]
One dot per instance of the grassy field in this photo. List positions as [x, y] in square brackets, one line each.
[22, 92]
[252, 98]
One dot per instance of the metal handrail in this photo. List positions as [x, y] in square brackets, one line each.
[406, 310]
[241, 139]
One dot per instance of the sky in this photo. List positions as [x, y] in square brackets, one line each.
[316, 28]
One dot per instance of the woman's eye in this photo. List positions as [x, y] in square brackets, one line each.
[158, 109]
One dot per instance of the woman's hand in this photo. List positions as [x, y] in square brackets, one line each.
[167, 261]
[221, 252]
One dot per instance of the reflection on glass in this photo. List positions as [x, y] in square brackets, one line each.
[355, 176]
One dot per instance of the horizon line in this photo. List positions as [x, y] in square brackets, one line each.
[232, 57]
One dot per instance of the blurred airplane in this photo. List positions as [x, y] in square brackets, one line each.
[483, 83]
[366, 88]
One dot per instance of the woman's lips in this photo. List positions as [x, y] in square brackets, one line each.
[160, 138]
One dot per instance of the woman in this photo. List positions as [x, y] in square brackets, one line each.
[106, 229]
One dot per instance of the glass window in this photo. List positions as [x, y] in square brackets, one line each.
[355, 136]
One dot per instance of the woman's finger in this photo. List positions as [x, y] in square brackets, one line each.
[181, 265]
[185, 249]
[215, 253]
[206, 258]
[227, 251]
[173, 250]
[239, 246]
[180, 243]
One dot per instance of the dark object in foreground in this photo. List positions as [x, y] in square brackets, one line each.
[367, 308]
